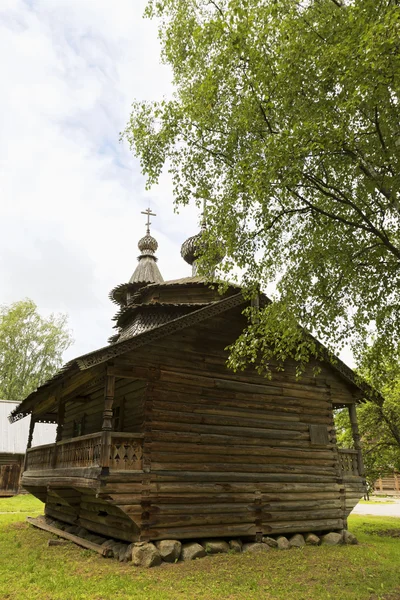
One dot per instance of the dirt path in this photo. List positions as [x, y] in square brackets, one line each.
[383, 509]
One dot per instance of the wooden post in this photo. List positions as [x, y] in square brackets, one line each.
[107, 420]
[31, 429]
[356, 438]
[60, 425]
[60, 420]
[30, 438]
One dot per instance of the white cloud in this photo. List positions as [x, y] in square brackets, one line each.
[71, 194]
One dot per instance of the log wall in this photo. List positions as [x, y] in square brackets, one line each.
[231, 454]
[129, 399]
[224, 454]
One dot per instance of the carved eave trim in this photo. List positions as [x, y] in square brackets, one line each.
[197, 316]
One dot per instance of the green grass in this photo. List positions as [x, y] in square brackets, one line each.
[30, 569]
[23, 503]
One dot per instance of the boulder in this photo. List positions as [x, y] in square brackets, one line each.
[271, 542]
[145, 555]
[312, 539]
[128, 552]
[82, 532]
[297, 541]
[115, 548]
[255, 547]
[349, 538]
[215, 546]
[235, 546]
[170, 550]
[122, 553]
[283, 543]
[332, 539]
[96, 539]
[192, 550]
[71, 529]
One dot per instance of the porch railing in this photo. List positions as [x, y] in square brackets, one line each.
[349, 462]
[116, 450]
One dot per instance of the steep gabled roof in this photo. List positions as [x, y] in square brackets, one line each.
[148, 334]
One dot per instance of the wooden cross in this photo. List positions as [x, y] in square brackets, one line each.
[149, 214]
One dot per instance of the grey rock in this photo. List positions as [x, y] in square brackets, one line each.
[332, 539]
[297, 541]
[283, 543]
[128, 552]
[192, 550]
[349, 538]
[122, 553]
[145, 555]
[82, 532]
[170, 550]
[108, 543]
[72, 529]
[312, 539]
[215, 546]
[98, 539]
[255, 547]
[115, 548]
[271, 542]
[235, 545]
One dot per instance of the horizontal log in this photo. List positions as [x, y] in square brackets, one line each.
[226, 439]
[107, 531]
[238, 506]
[247, 468]
[307, 454]
[227, 478]
[235, 408]
[243, 432]
[56, 481]
[247, 516]
[196, 498]
[166, 455]
[223, 420]
[163, 486]
[241, 530]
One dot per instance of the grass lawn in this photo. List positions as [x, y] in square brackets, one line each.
[30, 569]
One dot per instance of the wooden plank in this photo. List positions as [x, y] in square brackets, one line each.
[69, 536]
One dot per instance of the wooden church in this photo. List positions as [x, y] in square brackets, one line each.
[157, 439]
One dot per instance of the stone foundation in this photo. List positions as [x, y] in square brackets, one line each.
[148, 554]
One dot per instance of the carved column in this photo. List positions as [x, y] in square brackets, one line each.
[356, 438]
[31, 430]
[107, 420]
[60, 420]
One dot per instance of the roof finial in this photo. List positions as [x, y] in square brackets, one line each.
[149, 214]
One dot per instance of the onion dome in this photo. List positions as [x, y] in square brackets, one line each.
[147, 245]
[193, 247]
[146, 271]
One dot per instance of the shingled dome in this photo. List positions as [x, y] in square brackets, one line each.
[146, 271]
[193, 247]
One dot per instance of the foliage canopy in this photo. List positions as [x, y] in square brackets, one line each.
[31, 348]
[285, 118]
[379, 420]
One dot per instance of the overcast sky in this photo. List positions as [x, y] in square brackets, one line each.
[71, 193]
